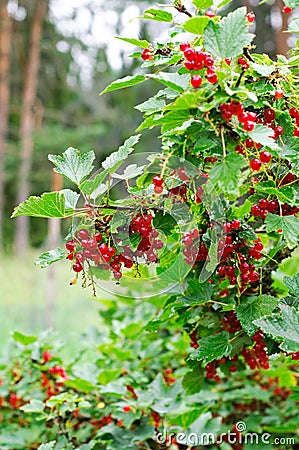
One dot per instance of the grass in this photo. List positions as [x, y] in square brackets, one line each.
[24, 292]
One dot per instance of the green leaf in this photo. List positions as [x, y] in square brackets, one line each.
[262, 135]
[294, 26]
[212, 347]
[113, 161]
[284, 327]
[132, 171]
[23, 338]
[125, 82]
[48, 446]
[292, 283]
[164, 222]
[263, 69]
[196, 25]
[173, 80]
[202, 4]
[72, 165]
[151, 105]
[71, 198]
[50, 204]
[285, 194]
[137, 42]
[157, 14]
[108, 375]
[288, 224]
[194, 379]
[227, 173]
[228, 38]
[49, 257]
[292, 3]
[88, 187]
[35, 406]
[290, 149]
[255, 308]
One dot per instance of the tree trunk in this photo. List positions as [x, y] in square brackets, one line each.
[5, 38]
[27, 124]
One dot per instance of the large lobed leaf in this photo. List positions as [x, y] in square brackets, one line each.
[228, 38]
[112, 162]
[255, 308]
[72, 165]
[125, 82]
[212, 347]
[283, 326]
[50, 204]
[226, 173]
[288, 225]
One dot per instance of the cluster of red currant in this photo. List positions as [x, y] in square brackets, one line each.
[256, 357]
[147, 54]
[54, 378]
[294, 113]
[196, 60]
[150, 244]
[236, 257]
[90, 248]
[264, 206]
[235, 108]
[195, 250]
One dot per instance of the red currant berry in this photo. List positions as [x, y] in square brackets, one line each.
[255, 164]
[212, 78]
[83, 234]
[190, 65]
[250, 17]
[77, 267]
[228, 61]
[278, 130]
[194, 233]
[70, 246]
[147, 54]
[269, 114]
[196, 81]
[236, 224]
[249, 143]
[117, 276]
[279, 93]
[182, 174]
[248, 126]
[158, 189]
[296, 131]
[287, 10]
[184, 46]
[157, 180]
[294, 113]
[265, 157]
[210, 14]
[242, 61]
[189, 54]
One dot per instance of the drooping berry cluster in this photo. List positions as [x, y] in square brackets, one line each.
[150, 244]
[198, 60]
[257, 357]
[235, 108]
[294, 113]
[264, 207]
[195, 249]
[237, 256]
[52, 378]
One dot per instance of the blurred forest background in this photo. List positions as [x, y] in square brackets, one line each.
[55, 57]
